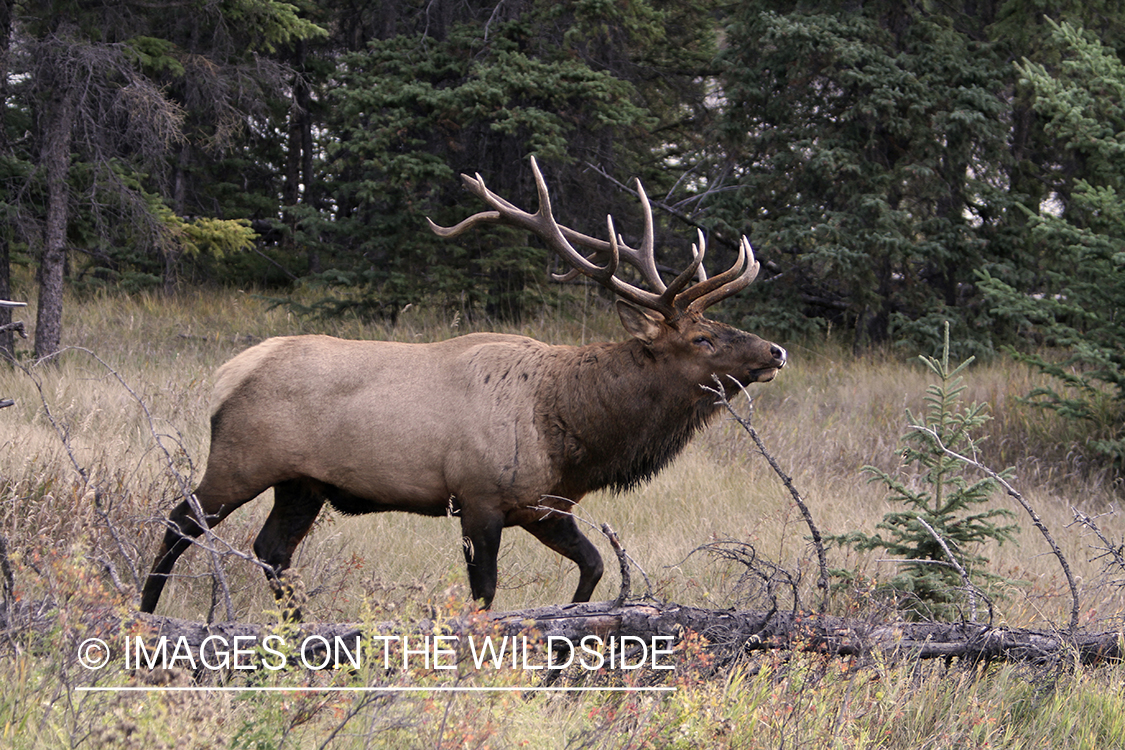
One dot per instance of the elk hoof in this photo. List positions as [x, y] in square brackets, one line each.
[289, 590]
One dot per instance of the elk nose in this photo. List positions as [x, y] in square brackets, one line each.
[779, 354]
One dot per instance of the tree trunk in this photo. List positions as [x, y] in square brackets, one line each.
[56, 162]
[7, 338]
[727, 632]
[179, 207]
[299, 175]
[7, 335]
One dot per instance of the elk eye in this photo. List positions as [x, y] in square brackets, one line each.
[703, 342]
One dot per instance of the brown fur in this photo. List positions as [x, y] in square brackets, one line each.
[491, 427]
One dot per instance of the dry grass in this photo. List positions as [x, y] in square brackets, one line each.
[828, 415]
[824, 418]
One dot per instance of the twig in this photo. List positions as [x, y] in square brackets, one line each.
[495, 13]
[622, 561]
[64, 438]
[718, 236]
[818, 543]
[1073, 627]
[953, 563]
[767, 571]
[1114, 552]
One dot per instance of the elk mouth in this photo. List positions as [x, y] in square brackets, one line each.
[766, 374]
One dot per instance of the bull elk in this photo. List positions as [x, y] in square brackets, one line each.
[499, 430]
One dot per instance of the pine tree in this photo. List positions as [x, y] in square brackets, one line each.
[1077, 305]
[938, 492]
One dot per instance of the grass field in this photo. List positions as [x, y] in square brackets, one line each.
[86, 476]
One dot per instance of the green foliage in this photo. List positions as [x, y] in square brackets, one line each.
[939, 493]
[412, 112]
[156, 55]
[877, 156]
[1077, 306]
[870, 149]
[219, 237]
[269, 24]
[149, 93]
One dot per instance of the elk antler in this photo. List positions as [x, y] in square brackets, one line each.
[671, 300]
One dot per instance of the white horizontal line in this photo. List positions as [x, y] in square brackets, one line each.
[439, 689]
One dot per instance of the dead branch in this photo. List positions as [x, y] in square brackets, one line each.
[17, 326]
[769, 573]
[745, 422]
[733, 632]
[1113, 554]
[1073, 626]
[671, 210]
[969, 587]
[622, 560]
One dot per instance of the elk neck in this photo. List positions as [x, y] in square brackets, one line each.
[616, 415]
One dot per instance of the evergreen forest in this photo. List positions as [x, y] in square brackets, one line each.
[896, 165]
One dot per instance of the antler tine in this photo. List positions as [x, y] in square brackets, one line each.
[601, 248]
[542, 223]
[607, 270]
[549, 230]
[485, 217]
[733, 280]
[476, 186]
[670, 301]
[643, 258]
[696, 266]
[615, 251]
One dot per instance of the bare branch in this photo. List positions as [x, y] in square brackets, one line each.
[972, 590]
[670, 210]
[1073, 627]
[1113, 554]
[622, 561]
[767, 571]
[818, 543]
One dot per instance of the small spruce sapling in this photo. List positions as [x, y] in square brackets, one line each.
[938, 492]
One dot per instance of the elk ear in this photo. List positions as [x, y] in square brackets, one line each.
[638, 323]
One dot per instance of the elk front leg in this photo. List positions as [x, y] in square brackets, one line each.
[480, 536]
[558, 530]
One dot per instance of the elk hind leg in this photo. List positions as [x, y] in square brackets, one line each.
[560, 532]
[296, 504]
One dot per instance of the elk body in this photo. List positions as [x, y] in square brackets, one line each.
[499, 430]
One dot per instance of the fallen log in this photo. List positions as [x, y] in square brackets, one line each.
[727, 631]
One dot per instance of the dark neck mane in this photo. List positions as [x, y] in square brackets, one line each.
[615, 416]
